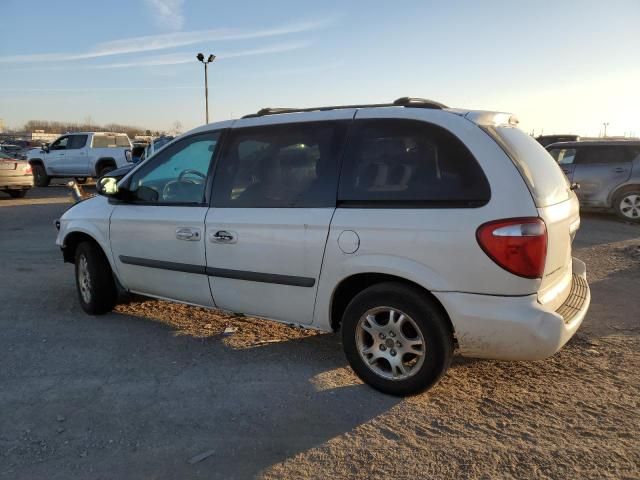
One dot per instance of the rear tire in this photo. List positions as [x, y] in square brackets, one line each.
[627, 205]
[397, 339]
[94, 280]
[17, 193]
[40, 176]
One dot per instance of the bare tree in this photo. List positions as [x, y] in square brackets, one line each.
[85, 126]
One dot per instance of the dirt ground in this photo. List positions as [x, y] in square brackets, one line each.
[157, 390]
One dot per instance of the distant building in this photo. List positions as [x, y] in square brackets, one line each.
[36, 135]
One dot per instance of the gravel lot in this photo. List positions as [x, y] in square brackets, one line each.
[156, 390]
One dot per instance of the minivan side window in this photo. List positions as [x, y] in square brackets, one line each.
[284, 165]
[396, 160]
[177, 175]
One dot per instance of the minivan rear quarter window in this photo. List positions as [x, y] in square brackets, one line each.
[546, 182]
[396, 161]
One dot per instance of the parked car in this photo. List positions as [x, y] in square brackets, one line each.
[80, 155]
[607, 171]
[545, 140]
[412, 228]
[16, 177]
[14, 151]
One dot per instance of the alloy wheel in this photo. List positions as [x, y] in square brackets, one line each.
[390, 343]
[84, 279]
[630, 206]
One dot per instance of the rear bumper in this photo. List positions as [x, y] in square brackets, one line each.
[17, 182]
[516, 328]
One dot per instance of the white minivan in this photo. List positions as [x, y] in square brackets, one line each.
[413, 229]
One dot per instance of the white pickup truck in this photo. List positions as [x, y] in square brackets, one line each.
[80, 155]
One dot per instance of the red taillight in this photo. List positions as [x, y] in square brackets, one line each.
[27, 169]
[519, 245]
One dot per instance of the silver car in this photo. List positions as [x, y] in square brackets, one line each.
[16, 176]
[608, 172]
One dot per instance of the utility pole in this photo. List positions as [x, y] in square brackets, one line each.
[209, 59]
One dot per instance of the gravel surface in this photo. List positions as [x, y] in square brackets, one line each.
[159, 390]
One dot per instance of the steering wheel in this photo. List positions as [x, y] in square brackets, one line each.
[191, 171]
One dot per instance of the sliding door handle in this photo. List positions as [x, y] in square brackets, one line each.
[223, 236]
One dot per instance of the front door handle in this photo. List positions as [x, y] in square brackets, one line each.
[619, 170]
[188, 234]
[224, 236]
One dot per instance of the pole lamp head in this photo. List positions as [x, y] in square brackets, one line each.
[200, 57]
[211, 58]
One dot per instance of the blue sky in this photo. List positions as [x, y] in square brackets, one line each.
[561, 66]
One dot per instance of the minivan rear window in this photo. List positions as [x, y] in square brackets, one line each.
[399, 161]
[547, 183]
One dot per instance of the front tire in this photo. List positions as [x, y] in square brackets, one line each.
[94, 280]
[397, 339]
[40, 176]
[627, 206]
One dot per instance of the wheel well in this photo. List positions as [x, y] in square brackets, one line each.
[622, 189]
[104, 162]
[36, 161]
[351, 286]
[72, 241]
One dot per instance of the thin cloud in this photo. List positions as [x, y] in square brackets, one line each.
[166, 41]
[167, 13]
[182, 58]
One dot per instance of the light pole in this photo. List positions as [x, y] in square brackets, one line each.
[209, 59]
[606, 124]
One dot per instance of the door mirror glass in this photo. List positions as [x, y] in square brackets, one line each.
[107, 186]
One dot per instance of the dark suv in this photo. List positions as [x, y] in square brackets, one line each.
[608, 172]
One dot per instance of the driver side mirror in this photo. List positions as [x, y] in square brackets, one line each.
[45, 147]
[107, 186]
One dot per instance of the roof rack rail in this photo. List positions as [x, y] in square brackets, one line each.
[418, 102]
[409, 102]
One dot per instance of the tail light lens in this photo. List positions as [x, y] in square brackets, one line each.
[27, 169]
[519, 245]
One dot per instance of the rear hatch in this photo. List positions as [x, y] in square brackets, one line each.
[557, 205]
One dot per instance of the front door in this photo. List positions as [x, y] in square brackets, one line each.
[274, 196]
[598, 170]
[157, 238]
[55, 157]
